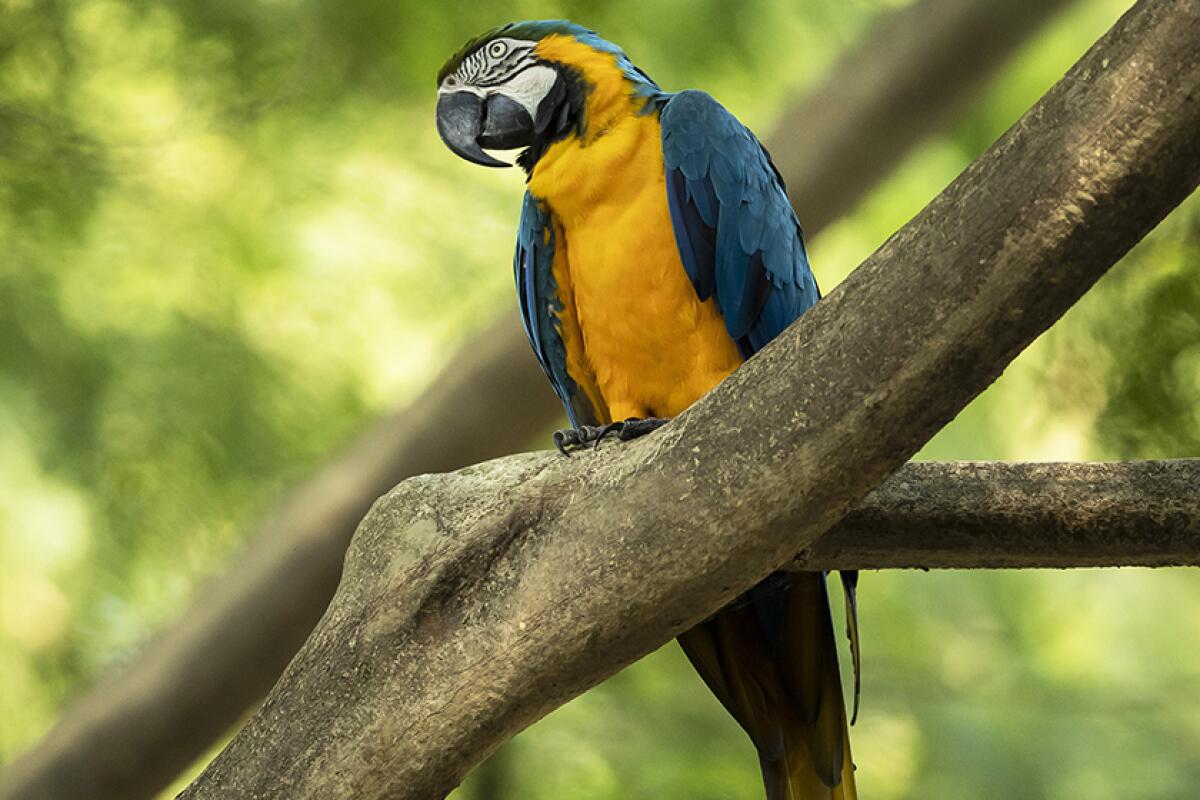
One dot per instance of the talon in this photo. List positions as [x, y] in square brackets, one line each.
[633, 428]
[570, 438]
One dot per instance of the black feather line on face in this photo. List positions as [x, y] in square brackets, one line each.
[506, 77]
[560, 114]
[456, 60]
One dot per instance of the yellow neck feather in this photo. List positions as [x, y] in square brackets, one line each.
[579, 171]
[610, 95]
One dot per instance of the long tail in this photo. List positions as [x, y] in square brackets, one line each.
[771, 659]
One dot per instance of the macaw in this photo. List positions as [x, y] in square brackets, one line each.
[656, 251]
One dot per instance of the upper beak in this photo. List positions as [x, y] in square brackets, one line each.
[467, 123]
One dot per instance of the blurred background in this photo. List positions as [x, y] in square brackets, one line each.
[230, 239]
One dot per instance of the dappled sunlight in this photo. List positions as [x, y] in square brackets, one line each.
[233, 239]
[892, 744]
[43, 541]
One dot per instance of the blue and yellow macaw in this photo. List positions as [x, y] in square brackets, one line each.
[657, 250]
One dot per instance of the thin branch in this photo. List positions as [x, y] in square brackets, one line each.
[986, 514]
[475, 602]
[133, 733]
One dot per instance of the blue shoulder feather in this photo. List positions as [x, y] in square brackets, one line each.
[737, 234]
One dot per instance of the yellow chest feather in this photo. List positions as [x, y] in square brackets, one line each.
[639, 342]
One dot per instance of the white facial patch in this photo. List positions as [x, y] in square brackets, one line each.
[486, 71]
[528, 87]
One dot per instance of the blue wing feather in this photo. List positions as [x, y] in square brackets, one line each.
[737, 234]
[533, 267]
[740, 243]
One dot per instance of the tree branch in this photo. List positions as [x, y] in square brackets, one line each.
[473, 603]
[984, 514]
[133, 733]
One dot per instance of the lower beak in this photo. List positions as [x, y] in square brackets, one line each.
[467, 123]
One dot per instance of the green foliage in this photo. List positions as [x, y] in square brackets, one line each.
[231, 237]
[1153, 391]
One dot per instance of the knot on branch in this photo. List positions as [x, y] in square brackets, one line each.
[438, 550]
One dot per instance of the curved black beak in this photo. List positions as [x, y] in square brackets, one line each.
[467, 124]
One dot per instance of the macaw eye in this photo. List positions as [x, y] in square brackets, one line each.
[452, 81]
[497, 49]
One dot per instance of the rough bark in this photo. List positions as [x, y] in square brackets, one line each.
[457, 624]
[133, 733]
[983, 514]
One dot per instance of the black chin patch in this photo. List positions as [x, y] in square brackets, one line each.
[559, 115]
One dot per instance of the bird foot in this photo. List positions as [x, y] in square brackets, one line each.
[578, 438]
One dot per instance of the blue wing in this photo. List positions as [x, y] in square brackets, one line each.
[739, 239]
[533, 265]
[738, 236]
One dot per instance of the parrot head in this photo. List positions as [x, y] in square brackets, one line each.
[526, 85]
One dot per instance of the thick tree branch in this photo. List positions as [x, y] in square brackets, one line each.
[985, 514]
[475, 602]
[130, 735]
